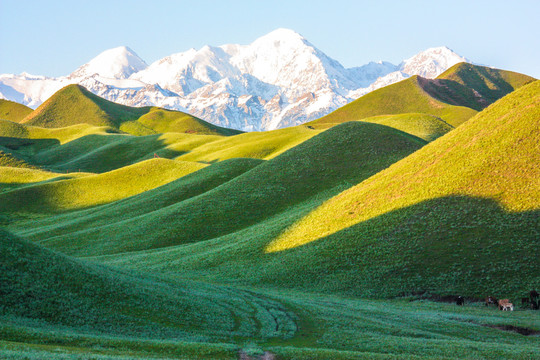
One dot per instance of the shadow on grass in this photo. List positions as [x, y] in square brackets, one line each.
[451, 245]
[101, 153]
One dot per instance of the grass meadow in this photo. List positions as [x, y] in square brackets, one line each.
[145, 233]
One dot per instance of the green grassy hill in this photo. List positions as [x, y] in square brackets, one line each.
[75, 105]
[426, 127]
[12, 129]
[454, 96]
[407, 96]
[105, 152]
[10, 110]
[319, 167]
[95, 189]
[281, 241]
[8, 159]
[148, 202]
[459, 216]
[45, 289]
[258, 145]
[489, 84]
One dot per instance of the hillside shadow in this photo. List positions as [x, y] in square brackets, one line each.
[451, 245]
[27, 146]
[102, 153]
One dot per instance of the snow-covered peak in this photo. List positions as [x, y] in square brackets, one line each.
[432, 62]
[281, 36]
[278, 80]
[117, 63]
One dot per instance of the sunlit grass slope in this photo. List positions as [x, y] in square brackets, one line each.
[489, 84]
[150, 201]
[41, 288]
[258, 145]
[458, 216]
[424, 126]
[320, 166]
[454, 96]
[96, 189]
[166, 121]
[15, 177]
[407, 96]
[84, 147]
[10, 110]
[74, 104]
[105, 152]
[12, 129]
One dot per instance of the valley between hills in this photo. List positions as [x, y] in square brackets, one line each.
[148, 233]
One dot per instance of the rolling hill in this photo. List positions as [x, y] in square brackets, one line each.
[317, 168]
[459, 216]
[74, 104]
[460, 212]
[48, 289]
[10, 110]
[454, 96]
[97, 189]
[278, 243]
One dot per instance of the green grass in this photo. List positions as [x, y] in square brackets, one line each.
[490, 84]
[455, 96]
[459, 218]
[43, 290]
[321, 241]
[13, 111]
[407, 96]
[105, 152]
[95, 189]
[148, 202]
[16, 177]
[12, 129]
[74, 105]
[258, 145]
[426, 127]
[8, 159]
[328, 326]
[324, 164]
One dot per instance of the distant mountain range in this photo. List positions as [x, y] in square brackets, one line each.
[277, 81]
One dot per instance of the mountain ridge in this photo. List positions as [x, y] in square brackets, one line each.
[278, 80]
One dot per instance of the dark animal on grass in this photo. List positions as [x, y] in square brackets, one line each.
[460, 301]
[490, 300]
[533, 295]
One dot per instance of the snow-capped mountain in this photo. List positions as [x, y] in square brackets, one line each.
[117, 63]
[431, 62]
[279, 80]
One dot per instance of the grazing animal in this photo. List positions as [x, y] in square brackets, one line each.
[490, 300]
[507, 306]
[460, 301]
[502, 303]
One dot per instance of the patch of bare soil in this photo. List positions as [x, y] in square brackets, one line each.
[518, 329]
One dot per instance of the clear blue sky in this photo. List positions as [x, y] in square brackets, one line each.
[54, 37]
